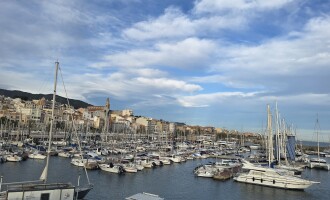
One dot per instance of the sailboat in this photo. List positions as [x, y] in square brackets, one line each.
[318, 163]
[267, 176]
[41, 189]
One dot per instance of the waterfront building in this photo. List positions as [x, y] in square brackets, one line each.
[127, 112]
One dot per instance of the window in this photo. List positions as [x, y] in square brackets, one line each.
[44, 196]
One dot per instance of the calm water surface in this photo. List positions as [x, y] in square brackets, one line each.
[175, 182]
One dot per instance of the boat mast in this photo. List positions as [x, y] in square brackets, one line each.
[51, 123]
[277, 137]
[270, 136]
[317, 135]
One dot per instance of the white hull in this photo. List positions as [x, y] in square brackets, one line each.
[315, 165]
[146, 164]
[176, 159]
[115, 169]
[165, 161]
[37, 156]
[130, 168]
[88, 163]
[139, 167]
[206, 174]
[78, 162]
[13, 158]
[254, 147]
[205, 171]
[271, 177]
[65, 154]
[273, 181]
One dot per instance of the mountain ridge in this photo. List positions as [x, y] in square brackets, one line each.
[30, 96]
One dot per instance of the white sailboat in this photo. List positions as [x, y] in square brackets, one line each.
[117, 169]
[41, 189]
[318, 163]
[37, 155]
[270, 177]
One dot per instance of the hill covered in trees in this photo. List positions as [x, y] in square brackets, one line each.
[28, 96]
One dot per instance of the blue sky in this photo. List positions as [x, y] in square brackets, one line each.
[203, 62]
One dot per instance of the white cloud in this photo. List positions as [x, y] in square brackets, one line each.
[175, 25]
[147, 72]
[26, 81]
[204, 100]
[281, 63]
[189, 53]
[172, 23]
[214, 6]
[123, 86]
[168, 84]
[306, 99]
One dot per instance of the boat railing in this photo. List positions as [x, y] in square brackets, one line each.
[32, 186]
[3, 195]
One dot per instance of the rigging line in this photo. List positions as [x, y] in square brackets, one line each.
[44, 86]
[73, 124]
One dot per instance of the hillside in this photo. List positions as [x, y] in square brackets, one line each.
[28, 96]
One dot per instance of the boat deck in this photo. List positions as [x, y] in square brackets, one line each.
[35, 186]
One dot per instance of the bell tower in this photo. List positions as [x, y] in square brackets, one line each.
[107, 115]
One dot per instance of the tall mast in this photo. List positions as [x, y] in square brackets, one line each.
[45, 173]
[317, 135]
[270, 136]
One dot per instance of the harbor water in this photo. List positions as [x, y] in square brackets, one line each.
[175, 181]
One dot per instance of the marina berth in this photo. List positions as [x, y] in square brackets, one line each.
[219, 160]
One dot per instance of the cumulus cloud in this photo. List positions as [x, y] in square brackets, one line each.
[204, 100]
[127, 86]
[213, 6]
[188, 53]
[169, 84]
[285, 63]
[174, 24]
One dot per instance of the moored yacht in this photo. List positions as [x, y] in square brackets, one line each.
[13, 158]
[318, 163]
[271, 177]
[117, 169]
[37, 155]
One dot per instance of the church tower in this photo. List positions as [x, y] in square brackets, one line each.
[107, 115]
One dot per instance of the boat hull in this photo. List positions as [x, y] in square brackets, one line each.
[274, 182]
